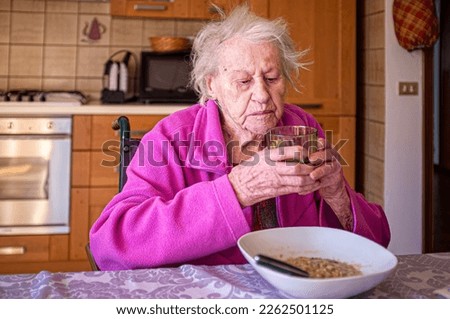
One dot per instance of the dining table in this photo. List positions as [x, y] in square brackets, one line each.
[416, 276]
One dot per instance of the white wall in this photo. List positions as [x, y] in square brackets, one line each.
[403, 199]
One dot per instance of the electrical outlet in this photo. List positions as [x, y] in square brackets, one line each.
[408, 88]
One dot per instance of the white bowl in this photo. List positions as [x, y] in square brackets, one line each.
[374, 261]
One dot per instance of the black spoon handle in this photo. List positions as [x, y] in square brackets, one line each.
[280, 266]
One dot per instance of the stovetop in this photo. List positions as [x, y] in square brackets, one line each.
[40, 96]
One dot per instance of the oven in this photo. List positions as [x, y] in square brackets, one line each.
[35, 155]
[35, 168]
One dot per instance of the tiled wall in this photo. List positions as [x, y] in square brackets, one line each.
[371, 99]
[54, 44]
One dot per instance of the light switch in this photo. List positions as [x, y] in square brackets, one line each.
[408, 88]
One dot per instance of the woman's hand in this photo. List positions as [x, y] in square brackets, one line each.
[274, 172]
[332, 185]
[270, 173]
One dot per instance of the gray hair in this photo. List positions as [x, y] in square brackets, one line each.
[243, 23]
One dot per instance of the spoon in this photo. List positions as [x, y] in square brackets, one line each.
[280, 266]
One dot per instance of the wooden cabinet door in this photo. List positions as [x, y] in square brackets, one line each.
[99, 197]
[203, 9]
[340, 133]
[17, 249]
[103, 132]
[150, 8]
[327, 29]
[104, 156]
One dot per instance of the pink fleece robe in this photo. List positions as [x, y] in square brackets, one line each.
[178, 205]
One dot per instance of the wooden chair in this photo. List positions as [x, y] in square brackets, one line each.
[128, 147]
[91, 260]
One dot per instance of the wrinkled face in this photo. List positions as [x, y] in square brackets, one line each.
[249, 85]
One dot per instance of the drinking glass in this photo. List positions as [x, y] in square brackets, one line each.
[281, 136]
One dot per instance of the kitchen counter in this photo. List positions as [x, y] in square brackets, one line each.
[92, 108]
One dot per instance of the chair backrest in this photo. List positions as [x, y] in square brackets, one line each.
[128, 147]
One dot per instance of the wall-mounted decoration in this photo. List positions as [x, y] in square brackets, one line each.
[93, 31]
[415, 23]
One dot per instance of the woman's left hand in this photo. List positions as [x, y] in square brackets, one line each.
[332, 183]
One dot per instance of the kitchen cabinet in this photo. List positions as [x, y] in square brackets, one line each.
[203, 9]
[181, 9]
[327, 29]
[92, 186]
[24, 248]
[150, 8]
[95, 181]
[105, 146]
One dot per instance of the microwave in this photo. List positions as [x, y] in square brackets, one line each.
[164, 77]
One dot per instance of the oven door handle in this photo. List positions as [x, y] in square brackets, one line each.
[12, 250]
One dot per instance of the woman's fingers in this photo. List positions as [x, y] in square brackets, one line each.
[324, 155]
[287, 153]
[291, 189]
[323, 171]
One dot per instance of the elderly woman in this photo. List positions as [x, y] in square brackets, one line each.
[201, 180]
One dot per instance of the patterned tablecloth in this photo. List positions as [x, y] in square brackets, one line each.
[416, 276]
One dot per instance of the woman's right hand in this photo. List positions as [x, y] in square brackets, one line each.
[270, 173]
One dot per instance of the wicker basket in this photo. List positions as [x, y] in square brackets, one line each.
[169, 44]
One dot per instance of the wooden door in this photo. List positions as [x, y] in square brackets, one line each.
[437, 168]
[444, 109]
[326, 29]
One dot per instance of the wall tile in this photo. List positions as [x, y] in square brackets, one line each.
[62, 6]
[187, 28]
[126, 32]
[373, 6]
[90, 61]
[376, 140]
[17, 83]
[374, 134]
[26, 60]
[5, 22]
[59, 61]
[28, 5]
[27, 27]
[374, 182]
[374, 31]
[4, 56]
[3, 84]
[373, 67]
[375, 102]
[91, 87]
[371, 104]
[157, 28]
[61, 28]
[5, 5]
[94, 8]
[58, 83]
[94, 25]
